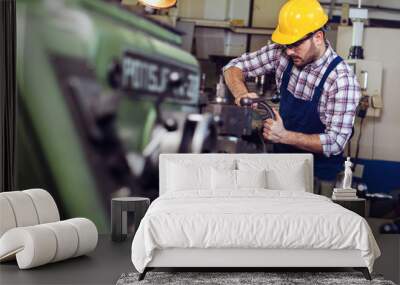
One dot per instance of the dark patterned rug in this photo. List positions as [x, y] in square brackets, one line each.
[242, 278]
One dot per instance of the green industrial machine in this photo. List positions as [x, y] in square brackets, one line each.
[92, 79]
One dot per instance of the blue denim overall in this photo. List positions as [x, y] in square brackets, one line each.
[302, 116]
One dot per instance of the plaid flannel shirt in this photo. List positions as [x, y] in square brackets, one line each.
[339, 99]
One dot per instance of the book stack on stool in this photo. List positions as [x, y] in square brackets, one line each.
[348, 199]
[344, 194]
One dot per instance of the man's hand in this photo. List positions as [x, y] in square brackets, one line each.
[274, 130]
[235, 81]
[246, 95]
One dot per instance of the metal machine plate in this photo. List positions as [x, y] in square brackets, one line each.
[150, 76]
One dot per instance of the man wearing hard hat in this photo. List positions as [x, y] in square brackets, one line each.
[319, 91]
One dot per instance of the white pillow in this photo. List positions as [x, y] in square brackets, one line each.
[223, 179]
[251, 178]
[230, 180]
[280, 174]
[183, 177]
[193, 174]
[287, 177]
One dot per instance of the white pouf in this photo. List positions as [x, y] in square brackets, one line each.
[45, 205]
[31, 233]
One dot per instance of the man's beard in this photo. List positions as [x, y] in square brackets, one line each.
[313, 56]
[298, 61]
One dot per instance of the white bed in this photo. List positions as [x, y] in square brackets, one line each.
[248, 226]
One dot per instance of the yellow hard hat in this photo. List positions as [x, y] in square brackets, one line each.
[298, 18]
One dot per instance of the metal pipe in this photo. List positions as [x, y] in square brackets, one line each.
[331, 7]
[250, 24]
[377, 7]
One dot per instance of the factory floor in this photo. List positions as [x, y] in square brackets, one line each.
[103, 266]
[388, 264]
[110, 259]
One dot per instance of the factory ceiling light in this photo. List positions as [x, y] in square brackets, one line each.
[158, 4]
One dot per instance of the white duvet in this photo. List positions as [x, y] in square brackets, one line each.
[250, 219]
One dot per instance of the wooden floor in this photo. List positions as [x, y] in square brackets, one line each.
[103, 266]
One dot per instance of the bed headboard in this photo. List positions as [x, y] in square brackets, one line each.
[209, 158]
